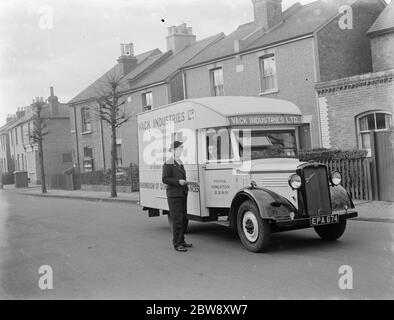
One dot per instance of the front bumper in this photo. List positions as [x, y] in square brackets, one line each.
[301, 223]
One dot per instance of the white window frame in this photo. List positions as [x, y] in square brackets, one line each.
[145, 105]
[263, 89]
[216, 89]
[359, 132]
[86, 126]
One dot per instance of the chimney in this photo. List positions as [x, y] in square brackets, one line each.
[10, 117]
[20, 113]
[53, 103]
[179, 37]
[127, 60]
[267, 13]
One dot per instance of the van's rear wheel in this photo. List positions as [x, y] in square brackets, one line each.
[331, 232]
[170, 223]
[253, 231]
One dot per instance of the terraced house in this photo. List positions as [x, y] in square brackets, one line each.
[147, 80]
[362, 102]
[23, 152]
[7, 164]
[284, 53]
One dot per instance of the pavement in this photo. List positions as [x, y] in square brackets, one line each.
[35, 190]
[103, 250]
[378, 211]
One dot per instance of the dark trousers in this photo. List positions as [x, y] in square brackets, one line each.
[178, 215]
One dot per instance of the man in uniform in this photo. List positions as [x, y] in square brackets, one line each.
[174, 176]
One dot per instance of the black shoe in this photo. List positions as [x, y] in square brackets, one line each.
[180, 248]
[187, 245]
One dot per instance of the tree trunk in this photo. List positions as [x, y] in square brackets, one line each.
[113, 163]
[41, 157]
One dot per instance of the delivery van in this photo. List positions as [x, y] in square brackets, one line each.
[241, 156]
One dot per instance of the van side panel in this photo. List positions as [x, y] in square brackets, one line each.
[157, 129]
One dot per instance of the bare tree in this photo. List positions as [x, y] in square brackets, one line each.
[109, 110]
[37, 135]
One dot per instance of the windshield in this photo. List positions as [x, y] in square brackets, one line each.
[257, 144]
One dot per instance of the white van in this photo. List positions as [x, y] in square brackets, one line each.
[241, 152]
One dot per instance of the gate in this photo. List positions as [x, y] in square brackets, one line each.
[382, 150]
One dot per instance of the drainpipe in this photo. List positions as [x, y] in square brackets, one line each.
[76, 135]
[102, 141]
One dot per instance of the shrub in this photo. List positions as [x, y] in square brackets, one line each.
[331, 154]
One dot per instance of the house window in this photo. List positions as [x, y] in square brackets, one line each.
[16, 136]
[119, 156]
[217, 82]
[371, 121]
[86, 124]
[268, 74]
[147, 101]
[88, 159]
[22, 134]
[88, 152]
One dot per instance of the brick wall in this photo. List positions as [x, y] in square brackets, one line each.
[176, 88]
[55, 144]
[295, 72]
[383, 52]
[347, 52]
[349, 97]
[126, 134]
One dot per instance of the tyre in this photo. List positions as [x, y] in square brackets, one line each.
[170, 223]
[253, 231]
[331, 232]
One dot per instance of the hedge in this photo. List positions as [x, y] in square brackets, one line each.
[7, 178]
[331, 154]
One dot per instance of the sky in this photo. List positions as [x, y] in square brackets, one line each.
[69, 44]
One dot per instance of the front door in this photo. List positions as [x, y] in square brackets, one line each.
[218, 168]
[305, 136]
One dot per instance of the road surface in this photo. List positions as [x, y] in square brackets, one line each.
[100, 250]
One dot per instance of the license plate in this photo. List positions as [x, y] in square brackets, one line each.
[321, 220]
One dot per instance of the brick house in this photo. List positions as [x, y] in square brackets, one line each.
[23, 152]
[6, 163]
[283, 54]
[91, 137]
[352, 106]
[153, 80]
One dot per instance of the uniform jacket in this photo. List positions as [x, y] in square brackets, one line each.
[172, 173]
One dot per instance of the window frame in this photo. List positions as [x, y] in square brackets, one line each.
[144, 101]
[219, 161]
[86, 126]
[360, 132]
[263, 89]
[213, 83]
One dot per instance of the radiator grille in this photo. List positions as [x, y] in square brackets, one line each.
[317, 192]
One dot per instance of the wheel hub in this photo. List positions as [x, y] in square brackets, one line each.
[250, 226]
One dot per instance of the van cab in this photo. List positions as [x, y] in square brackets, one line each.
[241, 154]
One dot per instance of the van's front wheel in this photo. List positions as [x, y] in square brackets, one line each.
[253, 231]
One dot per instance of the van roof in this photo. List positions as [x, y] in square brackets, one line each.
[239, 105]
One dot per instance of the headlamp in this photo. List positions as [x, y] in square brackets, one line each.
[295, 181]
